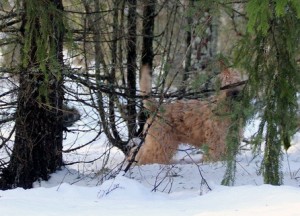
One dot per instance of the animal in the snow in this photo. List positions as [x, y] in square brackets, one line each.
[195, 122]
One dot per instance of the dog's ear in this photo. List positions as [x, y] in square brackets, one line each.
[228, 77]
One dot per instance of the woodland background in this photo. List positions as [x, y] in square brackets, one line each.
[60, 55]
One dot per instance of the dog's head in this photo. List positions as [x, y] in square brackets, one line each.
[231, 82]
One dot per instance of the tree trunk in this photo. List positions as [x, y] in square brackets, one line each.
[188, 52]
[38, 141]
[131, 67]
[147, 53]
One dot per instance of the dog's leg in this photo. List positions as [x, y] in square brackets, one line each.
[159, 146]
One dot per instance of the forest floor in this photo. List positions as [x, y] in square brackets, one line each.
[185, 188]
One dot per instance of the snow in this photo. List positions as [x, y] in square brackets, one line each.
[185, 188]
[123, 196]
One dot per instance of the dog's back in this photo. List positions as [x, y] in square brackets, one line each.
[193, 122]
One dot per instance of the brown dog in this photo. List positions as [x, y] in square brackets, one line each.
[195, 122]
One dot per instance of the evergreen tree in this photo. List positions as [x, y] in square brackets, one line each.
[269, 52]
[37, 149]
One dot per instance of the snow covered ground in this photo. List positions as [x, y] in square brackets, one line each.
[183, 189]
[123, 196]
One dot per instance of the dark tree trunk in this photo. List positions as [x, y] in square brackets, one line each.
[188, 53]
[131, 67]
[148, 28]
[147, 50]
[38, 141]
